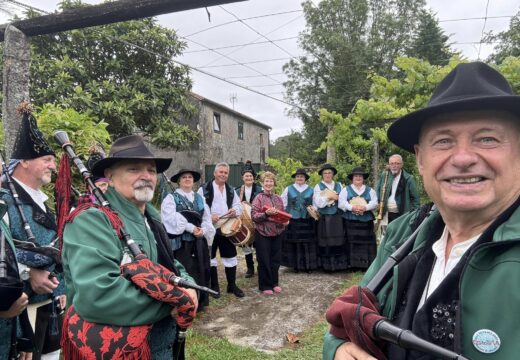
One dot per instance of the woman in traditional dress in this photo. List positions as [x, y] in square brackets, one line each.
[299, 248]
[268, 242]
[357, 201]
[187, 219]
[247, 193]
[332, 252]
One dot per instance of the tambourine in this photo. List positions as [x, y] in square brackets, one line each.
[313, 213]
[281, 217]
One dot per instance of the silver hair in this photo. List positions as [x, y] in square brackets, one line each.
[396, 156]
[221, 164]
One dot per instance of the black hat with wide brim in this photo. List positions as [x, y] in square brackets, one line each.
[196, 175]
[301, 171]
[468, 87]
[358, 171]
[328, 167]
[129, 148]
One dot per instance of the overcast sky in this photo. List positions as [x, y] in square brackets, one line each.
[274, 26]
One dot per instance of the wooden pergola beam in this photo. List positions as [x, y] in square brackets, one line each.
[106, 13]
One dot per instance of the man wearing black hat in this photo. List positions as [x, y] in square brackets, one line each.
[93, 255]
[187, 220]
[32, 164]
[224, 203]
[458, 286]
[396, 191]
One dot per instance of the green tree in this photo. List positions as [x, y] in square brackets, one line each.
[430, 42]
[97, 72]
[344, 41]
[292, 146]
[507, 42]
[391, 98]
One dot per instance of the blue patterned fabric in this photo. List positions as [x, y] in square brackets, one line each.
[368, 215]
[181, 203]
[43, 226]
[297, 202]
[333, 209]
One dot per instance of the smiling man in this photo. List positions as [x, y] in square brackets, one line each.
[93, 255]
[458, 288]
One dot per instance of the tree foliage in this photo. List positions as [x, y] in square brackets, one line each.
[430, 42]
[97, 72]
[344, 41]
[284, 168]
[507, 42]
[391, 98]
[292, 146]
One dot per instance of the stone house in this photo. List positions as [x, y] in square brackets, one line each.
[225, 135]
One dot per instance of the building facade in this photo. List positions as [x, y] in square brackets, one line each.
[225, 135]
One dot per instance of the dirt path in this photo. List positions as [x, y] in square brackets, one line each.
[262, 321]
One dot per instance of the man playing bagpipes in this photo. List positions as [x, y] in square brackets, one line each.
[453, 280]
[31, 165]
[108, 316]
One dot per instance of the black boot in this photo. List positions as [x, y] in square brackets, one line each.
[250, 266]
[231, 276]
[214, 280]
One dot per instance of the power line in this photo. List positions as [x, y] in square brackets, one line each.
[279, 27]
[235, 21]
[247, 62]
[253, 76]
[238, 63]
[239, 45]
[483, 28]
[478, 18]
[256, 31]
[178, 62]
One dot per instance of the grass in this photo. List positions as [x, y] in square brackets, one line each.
[203, 347]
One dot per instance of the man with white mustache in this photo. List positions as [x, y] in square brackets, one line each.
[93, 254]
[397, 190]
[457, 287]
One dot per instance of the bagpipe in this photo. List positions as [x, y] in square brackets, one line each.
[154, 280]
[27, 251]
[368, 326]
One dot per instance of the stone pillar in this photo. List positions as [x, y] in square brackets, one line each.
[16, 74]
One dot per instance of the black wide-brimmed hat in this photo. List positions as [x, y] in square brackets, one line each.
[30, 143]
[328, 167]
[196, 175]
[468, 87]
[301, 171]
[358, 171]
[129, 148]
[248, 167]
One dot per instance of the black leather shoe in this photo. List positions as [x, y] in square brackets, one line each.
[235, 290]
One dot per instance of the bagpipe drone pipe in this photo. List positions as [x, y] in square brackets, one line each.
[369, 326]
[152, 279]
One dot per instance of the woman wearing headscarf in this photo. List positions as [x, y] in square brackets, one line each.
[332, 254]
[187, 219]
[357, 200]
[247, 192]
[299, 248]
[268, 243]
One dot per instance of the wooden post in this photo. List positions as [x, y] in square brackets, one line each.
[17, 59]
[106, 13]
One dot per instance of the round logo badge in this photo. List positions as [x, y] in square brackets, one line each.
[486, 341]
